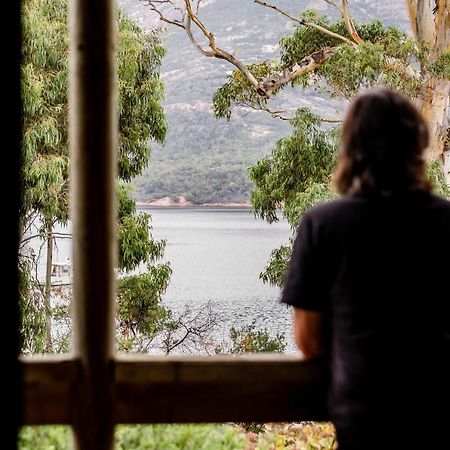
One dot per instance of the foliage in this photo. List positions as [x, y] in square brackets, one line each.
[44, 90]
[45, 155]
[275, 270]
[440, 67]
[288, 436]
[136, 245]
[173, 437]
[45, 169]
[238, 91]
[143, 437]
[386, 56]
[437, 179]
[55, 437]
[138, 308]
[295, 436]
[297, 174]
[216, 178]
[140, 92]
[248, 339]
[349, 71]
[298, 162]
[32, 323]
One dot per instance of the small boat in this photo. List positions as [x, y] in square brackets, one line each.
[61, 273]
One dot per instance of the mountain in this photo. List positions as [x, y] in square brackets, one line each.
[204, 159]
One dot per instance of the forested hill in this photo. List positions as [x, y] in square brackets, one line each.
[204, 159]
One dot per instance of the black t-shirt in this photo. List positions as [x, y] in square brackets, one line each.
[378, 269]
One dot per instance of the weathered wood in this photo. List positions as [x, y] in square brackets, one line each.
[93, 148]
[11, 202]
[49, 386]
[219, 389]
[184, 389]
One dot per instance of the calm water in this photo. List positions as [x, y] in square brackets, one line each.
[217, 255]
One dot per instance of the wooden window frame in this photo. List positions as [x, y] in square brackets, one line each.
[93, 388]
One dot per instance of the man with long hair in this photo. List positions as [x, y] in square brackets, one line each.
[368, 280]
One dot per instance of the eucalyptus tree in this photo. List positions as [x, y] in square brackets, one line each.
[341, 58]
[45, 169]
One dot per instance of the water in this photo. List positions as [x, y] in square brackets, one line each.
[217, 255]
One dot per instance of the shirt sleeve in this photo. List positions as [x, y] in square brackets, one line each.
[303, 287]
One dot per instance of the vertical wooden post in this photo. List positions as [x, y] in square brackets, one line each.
[92, 139]
[11, 133]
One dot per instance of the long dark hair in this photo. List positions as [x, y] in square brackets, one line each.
[382, 149]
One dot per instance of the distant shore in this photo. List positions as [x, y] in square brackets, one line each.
[181, 202]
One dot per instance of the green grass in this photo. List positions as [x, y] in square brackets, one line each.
[142, 437]
[179, 437]
[274, 436]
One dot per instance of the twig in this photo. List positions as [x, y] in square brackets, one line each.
[307, 24]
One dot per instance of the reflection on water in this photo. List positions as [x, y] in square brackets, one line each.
[217, 255]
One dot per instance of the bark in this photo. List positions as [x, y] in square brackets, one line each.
[436, 110]
[430, 23]
[269, 85]
[349, 22]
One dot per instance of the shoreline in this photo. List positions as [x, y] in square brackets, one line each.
[167, 202]
[174, 205]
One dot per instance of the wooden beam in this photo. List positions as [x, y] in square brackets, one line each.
[219, 389]
[49, 386]
[11, 132]
[184, 389]
[93, 147]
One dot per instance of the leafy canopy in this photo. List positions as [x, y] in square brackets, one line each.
[45, 169]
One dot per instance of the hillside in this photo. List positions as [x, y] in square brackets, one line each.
[204, 159]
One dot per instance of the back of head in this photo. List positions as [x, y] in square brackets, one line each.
[383, 141]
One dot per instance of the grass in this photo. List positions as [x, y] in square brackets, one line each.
[274, 436]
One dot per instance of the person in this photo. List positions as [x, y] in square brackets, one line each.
[368, 280]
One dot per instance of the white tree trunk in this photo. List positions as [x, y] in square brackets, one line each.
[430, 22]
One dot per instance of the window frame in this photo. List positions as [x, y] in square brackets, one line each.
[94, 388]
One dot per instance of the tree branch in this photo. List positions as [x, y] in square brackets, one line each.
[274, 114]
[349, 22]
[269, 85]
[162, 17]
[216, 51]
[332, 3]
[191, 37]
[279, 114]
[307, 24]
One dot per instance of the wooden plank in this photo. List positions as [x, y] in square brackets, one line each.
[184, 389]
[11, 132]
[49, 384]
[219, 389]
[93, 148]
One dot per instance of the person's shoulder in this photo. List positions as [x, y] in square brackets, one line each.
[331, 208]
[438, 209]
[439, 202]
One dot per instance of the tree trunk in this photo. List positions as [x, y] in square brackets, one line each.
[48, 287]
[430, 22]
[436, 110]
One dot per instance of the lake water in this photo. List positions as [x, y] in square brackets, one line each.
[217, 255]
